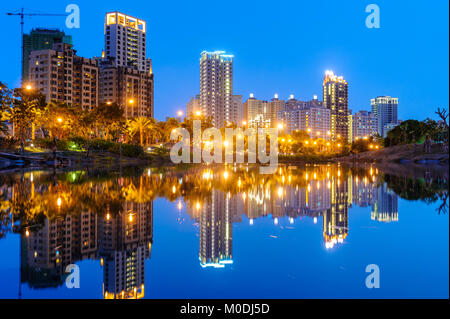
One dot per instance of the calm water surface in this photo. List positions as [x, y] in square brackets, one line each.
[224, 232]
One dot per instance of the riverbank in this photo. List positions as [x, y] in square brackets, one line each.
[400, 154]
[74, 159]
[397, 156]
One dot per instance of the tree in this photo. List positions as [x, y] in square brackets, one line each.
[167, 127]
[5, 107]
[155, 131]
[443, 115]
[109, 120]
[188, 123]
[61, 120]
[139, 125]
[25, 107]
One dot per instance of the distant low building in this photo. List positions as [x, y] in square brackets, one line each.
[388, 127]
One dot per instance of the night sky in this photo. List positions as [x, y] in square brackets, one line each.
[280, 47]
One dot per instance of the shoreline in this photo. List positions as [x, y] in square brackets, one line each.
[407, 158]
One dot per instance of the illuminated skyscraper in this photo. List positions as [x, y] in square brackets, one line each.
[126, 75]
[384, 108]
[335, 98]
[125, 40]
[216, 88]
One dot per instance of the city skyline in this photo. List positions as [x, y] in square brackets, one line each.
[258, 73]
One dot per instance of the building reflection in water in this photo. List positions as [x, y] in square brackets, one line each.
[120, 239]
[112, 221]
[324, 193]
[125, 243]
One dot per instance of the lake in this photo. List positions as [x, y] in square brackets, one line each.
[315, 231]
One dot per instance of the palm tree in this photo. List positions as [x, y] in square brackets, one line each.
[140, 124]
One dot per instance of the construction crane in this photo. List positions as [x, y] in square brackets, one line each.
[22, 14]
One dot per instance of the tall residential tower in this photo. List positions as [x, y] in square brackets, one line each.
[126, 76]
[335, 98]
[125, 40]
[216, 88]
[384, 108]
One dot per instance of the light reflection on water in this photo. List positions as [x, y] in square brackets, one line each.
[82, 217]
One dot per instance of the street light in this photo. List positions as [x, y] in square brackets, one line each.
[198, 113]
[280, 126]
[130, 101]
[28, 87]
[59, 119]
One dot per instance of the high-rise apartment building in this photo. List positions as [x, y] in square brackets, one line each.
[313, 118]
[216, 88]
[40, 39]
[335, 98]
[385, 110]
[310, 116]
[256, 112]
[125, 41]
[62, 76]
[364, 124]
[126, 75]
[130, 88]
[260, 113]
[275, 106]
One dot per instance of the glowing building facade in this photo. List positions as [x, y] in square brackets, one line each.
[364, 125]
[125, 40]
[335, 98]
[126, 75]
[216, 88]
[385, 108]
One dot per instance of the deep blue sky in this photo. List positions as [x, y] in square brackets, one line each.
[280, 47]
